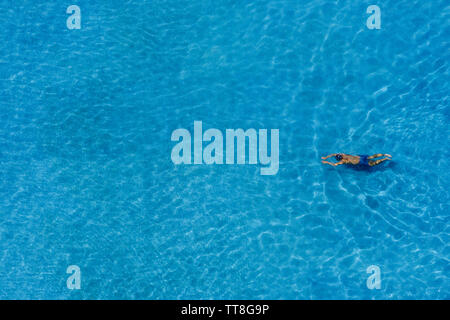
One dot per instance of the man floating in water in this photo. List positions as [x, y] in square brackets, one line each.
[364, 160]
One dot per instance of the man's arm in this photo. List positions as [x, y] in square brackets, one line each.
[331, 155]
[333, 164]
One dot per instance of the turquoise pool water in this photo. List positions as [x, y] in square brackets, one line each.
[86, 118]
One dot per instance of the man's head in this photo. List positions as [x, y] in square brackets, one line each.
[338, 157]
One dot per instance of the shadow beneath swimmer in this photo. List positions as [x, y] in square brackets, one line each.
[380, 167]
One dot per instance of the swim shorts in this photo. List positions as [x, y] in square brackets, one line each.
[363, 160]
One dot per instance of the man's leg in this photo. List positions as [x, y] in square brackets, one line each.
[375, 162]
[377, 155]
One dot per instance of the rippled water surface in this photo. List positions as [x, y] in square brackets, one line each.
[86, 176]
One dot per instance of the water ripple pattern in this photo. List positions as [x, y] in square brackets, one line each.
[87, 179]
